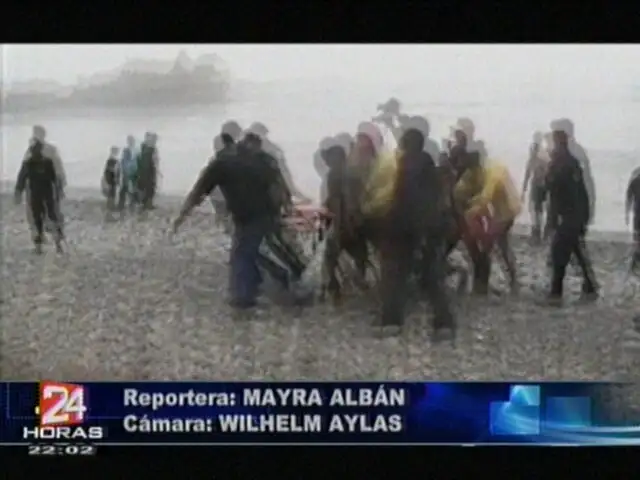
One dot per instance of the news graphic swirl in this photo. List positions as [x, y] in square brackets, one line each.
[255, 413]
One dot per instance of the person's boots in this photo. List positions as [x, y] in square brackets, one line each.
[37, 243]
[536, 235]
[481, 273]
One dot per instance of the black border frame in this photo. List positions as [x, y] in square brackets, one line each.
[322, 22]
[253, 462]
[325, 22]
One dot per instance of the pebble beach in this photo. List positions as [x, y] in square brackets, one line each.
[129, 302]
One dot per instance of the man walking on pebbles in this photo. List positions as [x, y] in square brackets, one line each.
[44, 183]
[570, 214]
[254, 189]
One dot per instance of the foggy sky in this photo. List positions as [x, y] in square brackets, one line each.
[522, 63]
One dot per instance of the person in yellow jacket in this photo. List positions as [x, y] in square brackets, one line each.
[491, 212]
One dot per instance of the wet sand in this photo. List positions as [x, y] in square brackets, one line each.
[129, 302]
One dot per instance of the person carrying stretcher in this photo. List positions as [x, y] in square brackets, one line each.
[256, 195]
[490, 204]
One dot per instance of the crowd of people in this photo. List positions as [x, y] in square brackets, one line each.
[412, 205]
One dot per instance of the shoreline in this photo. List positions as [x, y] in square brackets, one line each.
[174, 199]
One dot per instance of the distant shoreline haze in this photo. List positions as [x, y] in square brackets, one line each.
[137, 83]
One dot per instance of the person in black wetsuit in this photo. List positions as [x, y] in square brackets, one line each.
[110, 179]
[38, 174]
[412, 225]
[569, 216]
[632, 206]
[250, 183]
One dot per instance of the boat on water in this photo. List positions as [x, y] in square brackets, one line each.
[183, 83]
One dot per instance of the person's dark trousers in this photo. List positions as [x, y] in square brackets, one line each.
[127, 192]
[245, 276]
[568, 240]
[147, 189]
[396, 258]
[44, 204]
[433, 280]
[111, 197]
[146, 195]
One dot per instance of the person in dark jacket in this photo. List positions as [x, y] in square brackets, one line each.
[247, 179]
[147, 177]
[38, 173]
[230, 134]
[569, 216]
[579, 153]
[111, 179]
[412, 222]
[632, 206]
[50, 151]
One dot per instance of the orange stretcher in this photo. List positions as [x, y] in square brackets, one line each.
[307, 218]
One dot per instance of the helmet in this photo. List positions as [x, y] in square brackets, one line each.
[232, 128]
[372, 131]
[259, 129]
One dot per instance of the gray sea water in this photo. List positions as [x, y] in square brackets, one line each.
[300, 113]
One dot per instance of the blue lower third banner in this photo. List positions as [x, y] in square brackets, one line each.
[231, 413]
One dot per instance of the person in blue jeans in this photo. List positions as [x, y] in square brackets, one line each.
[255, 192]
